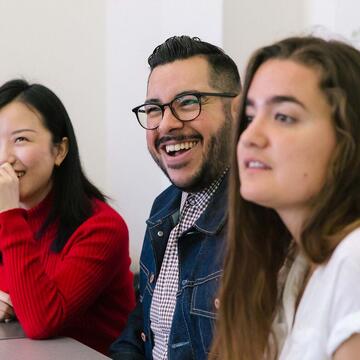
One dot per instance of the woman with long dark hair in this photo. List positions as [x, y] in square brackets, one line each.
[64, 266]
[291, 279]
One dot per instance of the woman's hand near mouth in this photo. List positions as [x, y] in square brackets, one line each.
[9, 188]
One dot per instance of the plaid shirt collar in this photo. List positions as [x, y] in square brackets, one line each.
[204, 195]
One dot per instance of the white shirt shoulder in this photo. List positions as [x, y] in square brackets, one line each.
[329, 310]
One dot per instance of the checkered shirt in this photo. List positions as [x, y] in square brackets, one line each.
[164, 297]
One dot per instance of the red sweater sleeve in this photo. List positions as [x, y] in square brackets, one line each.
[44, 303]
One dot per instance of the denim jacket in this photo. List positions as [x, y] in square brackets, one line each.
[200, 267]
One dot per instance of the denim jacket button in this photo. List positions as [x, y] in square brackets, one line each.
[143, 337]
[151, 279]
[160, 233]
[217, 303]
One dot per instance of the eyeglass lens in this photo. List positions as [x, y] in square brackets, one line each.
[184, 108]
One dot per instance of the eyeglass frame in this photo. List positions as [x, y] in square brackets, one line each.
[198, 95]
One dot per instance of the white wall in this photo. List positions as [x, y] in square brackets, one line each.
[340, 17]
[61, 44]
[251, 24]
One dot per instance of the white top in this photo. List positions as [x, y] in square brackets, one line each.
[329, 310]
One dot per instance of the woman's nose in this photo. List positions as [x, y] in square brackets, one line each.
[255, 134]
[6, 155]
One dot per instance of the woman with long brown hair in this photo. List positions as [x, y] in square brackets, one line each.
[290, 287]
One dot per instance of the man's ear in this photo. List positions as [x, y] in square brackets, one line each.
[62, 150]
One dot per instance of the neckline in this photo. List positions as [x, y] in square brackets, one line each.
[42, 208]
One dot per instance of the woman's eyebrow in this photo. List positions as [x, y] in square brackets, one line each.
[278, 99]
[22, 130]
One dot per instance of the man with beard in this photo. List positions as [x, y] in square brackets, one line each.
[192, 100]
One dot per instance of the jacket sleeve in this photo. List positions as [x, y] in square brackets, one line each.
[129, 346]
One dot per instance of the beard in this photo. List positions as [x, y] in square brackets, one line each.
[216, 158]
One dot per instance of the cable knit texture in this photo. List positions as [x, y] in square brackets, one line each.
[84, 292]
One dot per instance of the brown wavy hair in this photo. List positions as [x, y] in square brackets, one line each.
[258, 241]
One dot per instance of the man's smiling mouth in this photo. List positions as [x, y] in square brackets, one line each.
[178, 148]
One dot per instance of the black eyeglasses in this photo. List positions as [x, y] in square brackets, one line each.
[185, 107]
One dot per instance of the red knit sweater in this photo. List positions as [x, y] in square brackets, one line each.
[84, 292]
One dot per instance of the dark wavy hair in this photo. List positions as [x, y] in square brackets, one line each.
[258, 240]
[72, 191]
[224, 74]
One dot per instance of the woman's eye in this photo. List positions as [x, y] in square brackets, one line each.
[248, 119]
[285, 118]
[20, 139]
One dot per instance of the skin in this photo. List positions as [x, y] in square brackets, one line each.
[349, 350]
[198, 167]
[27, 160]
[284, 153]
[6, 307]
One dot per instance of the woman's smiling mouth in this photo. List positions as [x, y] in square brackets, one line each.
[20, 174]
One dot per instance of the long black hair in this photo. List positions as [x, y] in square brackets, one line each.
[72, 191]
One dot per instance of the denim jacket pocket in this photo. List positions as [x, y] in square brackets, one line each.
[203, 307]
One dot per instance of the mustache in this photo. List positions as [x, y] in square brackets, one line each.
[178, 138]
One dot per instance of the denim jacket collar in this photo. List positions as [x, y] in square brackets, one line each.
[211, 220]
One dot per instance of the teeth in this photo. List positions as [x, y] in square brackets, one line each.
[181, 146]
[20, 174]
[256, 165]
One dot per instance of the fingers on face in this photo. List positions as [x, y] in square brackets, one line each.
[6, 311]
[7, 172]
[5, 297]
[6, 308]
